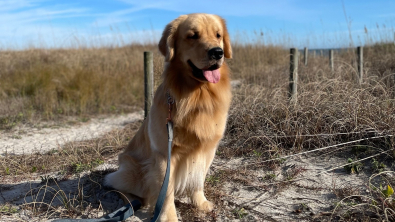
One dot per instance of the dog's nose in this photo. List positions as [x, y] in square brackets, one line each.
[216, 53]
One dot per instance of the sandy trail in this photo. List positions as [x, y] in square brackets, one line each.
[44, 139]
[259, 202]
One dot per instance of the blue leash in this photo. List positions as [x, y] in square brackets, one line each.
[128, 210]
[163, 190]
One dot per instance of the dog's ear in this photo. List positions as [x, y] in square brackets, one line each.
[167, 42]
[227, 46]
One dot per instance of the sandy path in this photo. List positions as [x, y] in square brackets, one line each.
[261, 204]
[313, 188]
[44, 139]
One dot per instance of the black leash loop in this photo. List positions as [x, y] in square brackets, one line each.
[119, 215]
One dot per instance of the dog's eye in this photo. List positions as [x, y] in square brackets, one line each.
[194, 36]
[218, 35]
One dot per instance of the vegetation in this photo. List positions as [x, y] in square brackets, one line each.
[331, 109]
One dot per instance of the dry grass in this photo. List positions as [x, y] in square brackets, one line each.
[332, 108]
[49, 84]
[377, 205]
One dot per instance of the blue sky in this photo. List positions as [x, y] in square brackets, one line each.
[291, 23]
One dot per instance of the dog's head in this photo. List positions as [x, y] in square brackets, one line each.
[200, 42]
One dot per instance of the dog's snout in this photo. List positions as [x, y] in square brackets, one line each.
[216, 53]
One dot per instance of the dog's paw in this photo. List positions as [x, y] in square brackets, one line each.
[169, 216]
[168, 219]
[206, 206]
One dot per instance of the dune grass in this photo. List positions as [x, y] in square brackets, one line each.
[48, 84]
[332, 108]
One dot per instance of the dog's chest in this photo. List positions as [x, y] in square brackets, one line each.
[199, 131]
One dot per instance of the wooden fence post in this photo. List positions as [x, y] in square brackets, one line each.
[148, 82]
[331, 59]
[305, 55]
[293, 75]
[360, 64]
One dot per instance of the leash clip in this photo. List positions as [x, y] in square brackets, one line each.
[170, 102]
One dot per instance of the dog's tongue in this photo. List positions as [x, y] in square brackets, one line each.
[212, 76]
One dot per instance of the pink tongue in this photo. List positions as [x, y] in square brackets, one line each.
[212, 76]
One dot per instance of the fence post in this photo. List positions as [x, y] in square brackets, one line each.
[293, 75]
[331, 59]
[305, 55]
[148, 82]
[360, 63]
[314, 52]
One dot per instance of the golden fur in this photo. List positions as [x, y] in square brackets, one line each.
[199, 116]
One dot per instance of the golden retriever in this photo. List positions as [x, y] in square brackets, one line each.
[197, 78]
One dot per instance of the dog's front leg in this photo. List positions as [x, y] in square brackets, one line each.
[198, 198]
[155, 179]
[168, 212]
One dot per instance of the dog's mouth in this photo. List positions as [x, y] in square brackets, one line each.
[211, 74]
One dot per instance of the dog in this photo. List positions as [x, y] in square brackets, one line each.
[196, 77]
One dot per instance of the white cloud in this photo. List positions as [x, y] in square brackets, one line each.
[10, 5]
[28, 22]
[44, 23]
[115, 17]
[279, 8]
[47, 36]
